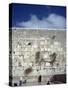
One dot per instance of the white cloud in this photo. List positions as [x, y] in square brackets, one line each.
[52, 21]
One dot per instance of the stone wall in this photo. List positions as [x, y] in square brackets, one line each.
[38, 52]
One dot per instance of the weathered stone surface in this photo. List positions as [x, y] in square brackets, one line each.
[42, 50]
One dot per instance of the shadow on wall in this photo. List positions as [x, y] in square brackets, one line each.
[56, 79]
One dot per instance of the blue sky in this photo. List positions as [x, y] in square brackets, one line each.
[38, 16]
